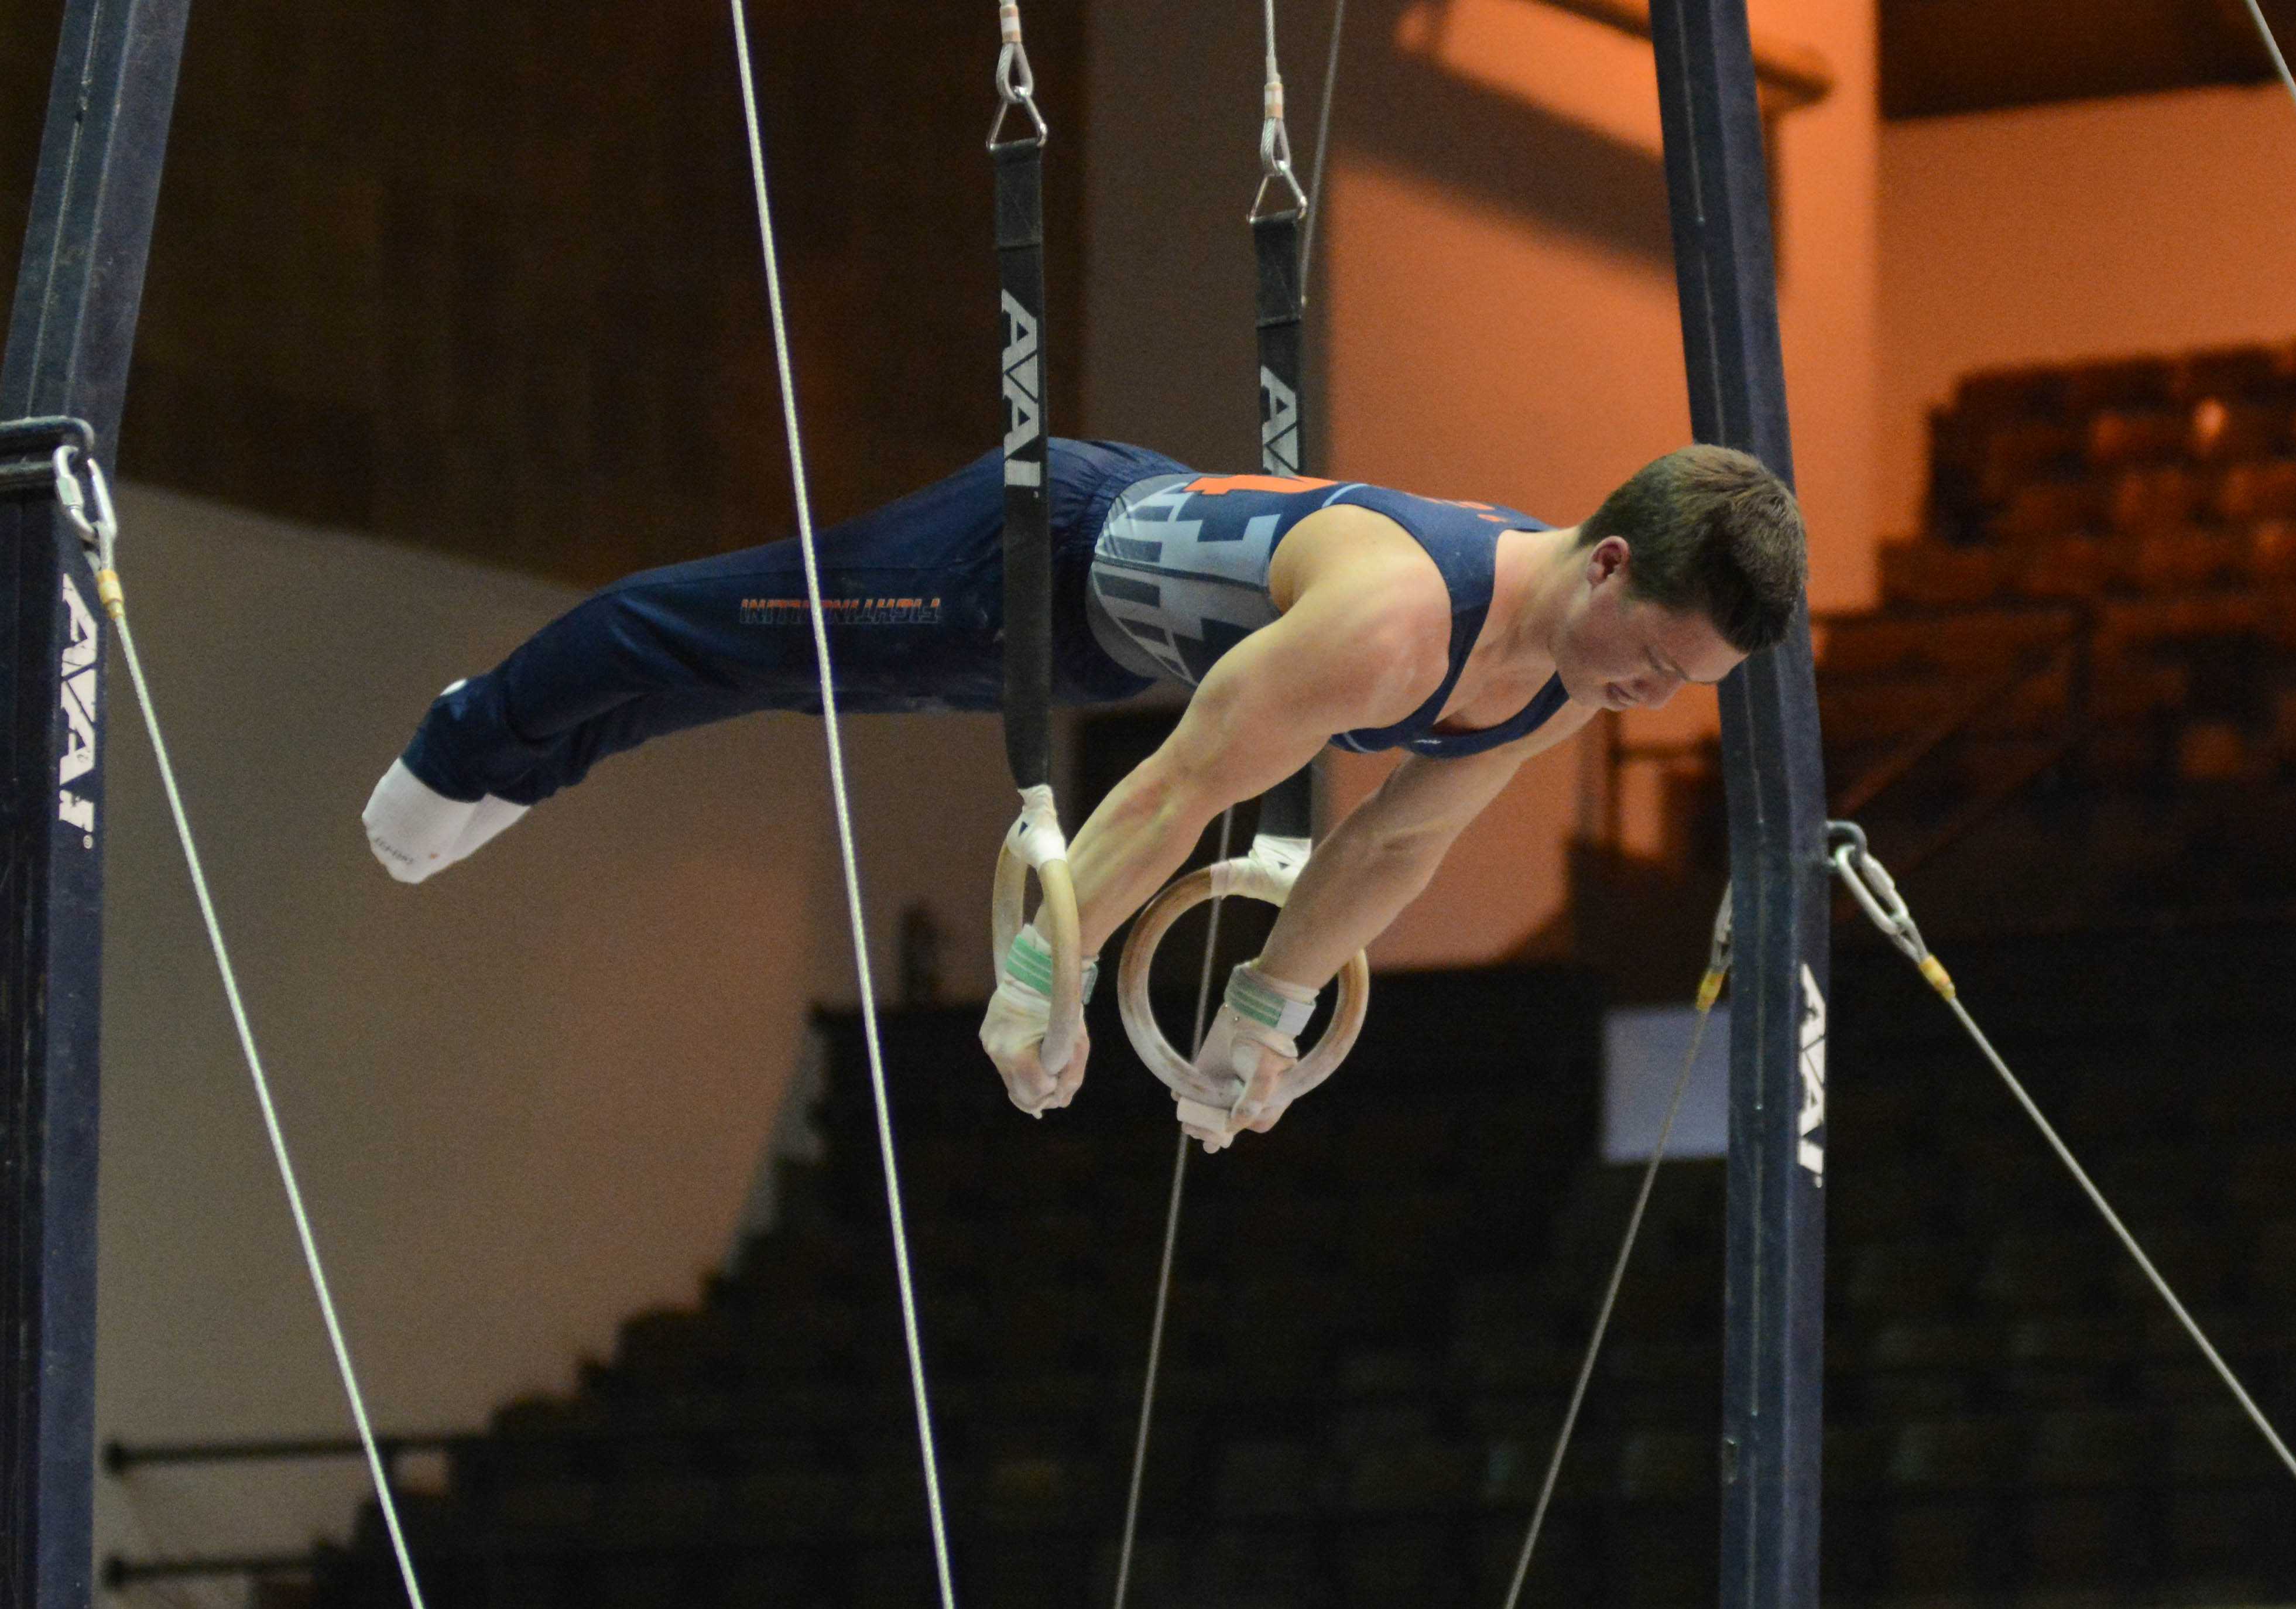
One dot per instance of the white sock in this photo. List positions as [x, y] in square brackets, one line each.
[417, 832]
[413, 829]
[489, 816]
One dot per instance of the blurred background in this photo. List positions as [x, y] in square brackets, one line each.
[454, 313]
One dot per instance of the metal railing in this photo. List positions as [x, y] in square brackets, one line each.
[121, 1458]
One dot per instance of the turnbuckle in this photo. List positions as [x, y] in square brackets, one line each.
[1876, 892]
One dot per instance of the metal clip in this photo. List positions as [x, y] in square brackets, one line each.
[1276, 154]
[1016, 82]
[1876, 892]
[97, 534]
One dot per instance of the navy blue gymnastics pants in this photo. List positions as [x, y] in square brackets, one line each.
[913, 594]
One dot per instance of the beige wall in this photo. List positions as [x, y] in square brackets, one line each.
[2148, 223]
[1502, 325]
[526, 1097]
[1168, 359]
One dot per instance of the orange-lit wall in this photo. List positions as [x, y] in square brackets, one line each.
[1502, 324]
[2148, 223]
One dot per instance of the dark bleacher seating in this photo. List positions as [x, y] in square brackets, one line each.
[2237, 431]
[2085, 1510]
[2099, 614]
[2232, 371]
[1945, 1524]
[1370, 1343]
[2131, 383]
[2155, 498]
[2158, 498]
[2121, 437]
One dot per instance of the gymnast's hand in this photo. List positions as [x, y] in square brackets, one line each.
[1246, 1064]
[1020, 1012]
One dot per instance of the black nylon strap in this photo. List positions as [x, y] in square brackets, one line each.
[1288, 809]
[1028, 503]
[1276, 241]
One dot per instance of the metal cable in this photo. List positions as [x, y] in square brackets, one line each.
[1610, 1299]
[278, 1138]
[1322, 145]
[843, 807]
[1227, 821]
[1876, 892]
[2127, 1240]
[100, 534]
[2273, 45]
[1212, 936]
[1171, 1243]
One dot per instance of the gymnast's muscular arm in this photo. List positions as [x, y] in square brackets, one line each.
[1381, 857]
[1362, 644]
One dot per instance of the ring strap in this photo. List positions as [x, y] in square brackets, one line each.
[1288, 809]
[1276, 242]
[1027, 506]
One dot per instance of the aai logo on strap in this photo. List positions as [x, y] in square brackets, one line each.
[1810, 1123]
[1279, 426]
[1024, 414]
[76, 675]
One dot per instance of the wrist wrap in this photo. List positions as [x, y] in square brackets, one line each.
[1029, 961]
[1270, 1002]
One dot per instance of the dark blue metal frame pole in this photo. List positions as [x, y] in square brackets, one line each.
[1774, 1295]
[77, 292]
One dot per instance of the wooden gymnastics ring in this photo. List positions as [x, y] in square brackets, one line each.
[1035, 843]
[1267, 873]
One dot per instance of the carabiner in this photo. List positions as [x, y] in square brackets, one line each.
[1876, 892]
[1276, 154]
[1016, 81]
[97, 534]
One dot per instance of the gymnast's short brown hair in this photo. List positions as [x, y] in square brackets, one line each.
[1712, 530]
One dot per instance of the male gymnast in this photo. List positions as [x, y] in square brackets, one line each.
[1303, 613]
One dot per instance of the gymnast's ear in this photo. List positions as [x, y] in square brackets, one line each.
[1608, 561]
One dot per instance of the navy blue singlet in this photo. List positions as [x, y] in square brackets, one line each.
[1179, 576]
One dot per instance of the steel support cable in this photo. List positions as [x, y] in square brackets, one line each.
[843, 809]
[1877, 893]
[2272, 46]
[99, 531]
[1709, 989]
[1323, 145]
[1171, 1247]
[1275, 161]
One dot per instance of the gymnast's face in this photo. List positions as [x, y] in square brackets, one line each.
[1620, 651]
